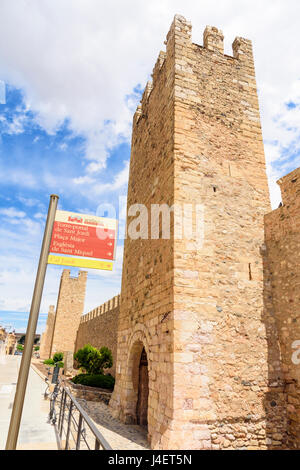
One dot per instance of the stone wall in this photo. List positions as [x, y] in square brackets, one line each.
[199, 310]
[46, 340]
[99, 328]
[282, 238]
[146, 309]
[69, 309]
[11, 343]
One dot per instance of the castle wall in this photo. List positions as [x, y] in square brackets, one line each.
[11, 343]
[146, 308]
[69, 309]
[220, 335]
[282, 238]
[199, 310]
[46, 340]
[99, 328]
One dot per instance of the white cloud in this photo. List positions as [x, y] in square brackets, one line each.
[12, 212]
[96, 187]
[80, 60]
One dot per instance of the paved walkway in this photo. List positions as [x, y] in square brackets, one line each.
[120, 436]
[35, 432]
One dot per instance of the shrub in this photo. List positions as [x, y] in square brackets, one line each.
[49, 362]
[37, 348]
[20, 347]
[95, 380]
[94, 360]
[56, 360]
[58, 357]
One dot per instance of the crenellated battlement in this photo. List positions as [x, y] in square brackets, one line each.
[179, 38]
[290, 188]
[104, 308]
[99, 328]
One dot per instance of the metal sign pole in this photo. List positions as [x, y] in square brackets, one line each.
[16, 415]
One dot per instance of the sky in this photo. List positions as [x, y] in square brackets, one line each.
[71, 75]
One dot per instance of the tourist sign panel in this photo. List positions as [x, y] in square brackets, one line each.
[83, 235]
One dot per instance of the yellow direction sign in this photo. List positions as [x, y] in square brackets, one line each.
[80, 262]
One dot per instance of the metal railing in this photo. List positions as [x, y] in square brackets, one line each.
[74, 427]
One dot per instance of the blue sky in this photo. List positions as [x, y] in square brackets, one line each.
[34, 164]
[71, 75]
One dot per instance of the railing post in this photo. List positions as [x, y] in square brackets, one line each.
[63, 416]
[60, 408]
[79, 432]
[97, 444]
[84, 419]
[69, 424]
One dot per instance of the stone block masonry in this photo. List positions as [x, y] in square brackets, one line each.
[99, 328]
[45, 348]
[197, 315]
[282, 283]
[69, 309]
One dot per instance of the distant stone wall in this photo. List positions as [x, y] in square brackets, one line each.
[282, 238]
[45, 348]
[99, 328]
[69, 309]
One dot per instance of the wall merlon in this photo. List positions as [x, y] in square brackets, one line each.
[213, 39]
[146, 94]
[66, 273]
[180, 28]
[242, 49]
[159, 63]
[82, 275]
[108, 306]
[137, 114]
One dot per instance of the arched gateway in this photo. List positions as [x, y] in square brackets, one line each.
[143, 391]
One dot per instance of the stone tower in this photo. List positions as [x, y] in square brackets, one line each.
[192, 345]
[282, 281]
[46, 340]
[69, 309]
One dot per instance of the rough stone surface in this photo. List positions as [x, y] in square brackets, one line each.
[219, 321]
[46, 340]
[282, 284]
[69, 309]
[99, 328]
[198, 313]
[89, 393]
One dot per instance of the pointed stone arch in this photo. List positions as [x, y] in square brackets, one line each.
[138, 345]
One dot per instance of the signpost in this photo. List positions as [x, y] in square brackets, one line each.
[83, 235]
[16, 415]
[80, 262]
[66, 233]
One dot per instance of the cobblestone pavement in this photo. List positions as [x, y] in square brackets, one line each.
[120, 436]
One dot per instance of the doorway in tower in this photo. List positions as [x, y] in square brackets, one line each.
[143, 391]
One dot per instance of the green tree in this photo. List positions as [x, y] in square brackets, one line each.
[22, 339]
[20, 347]
[94, 360]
